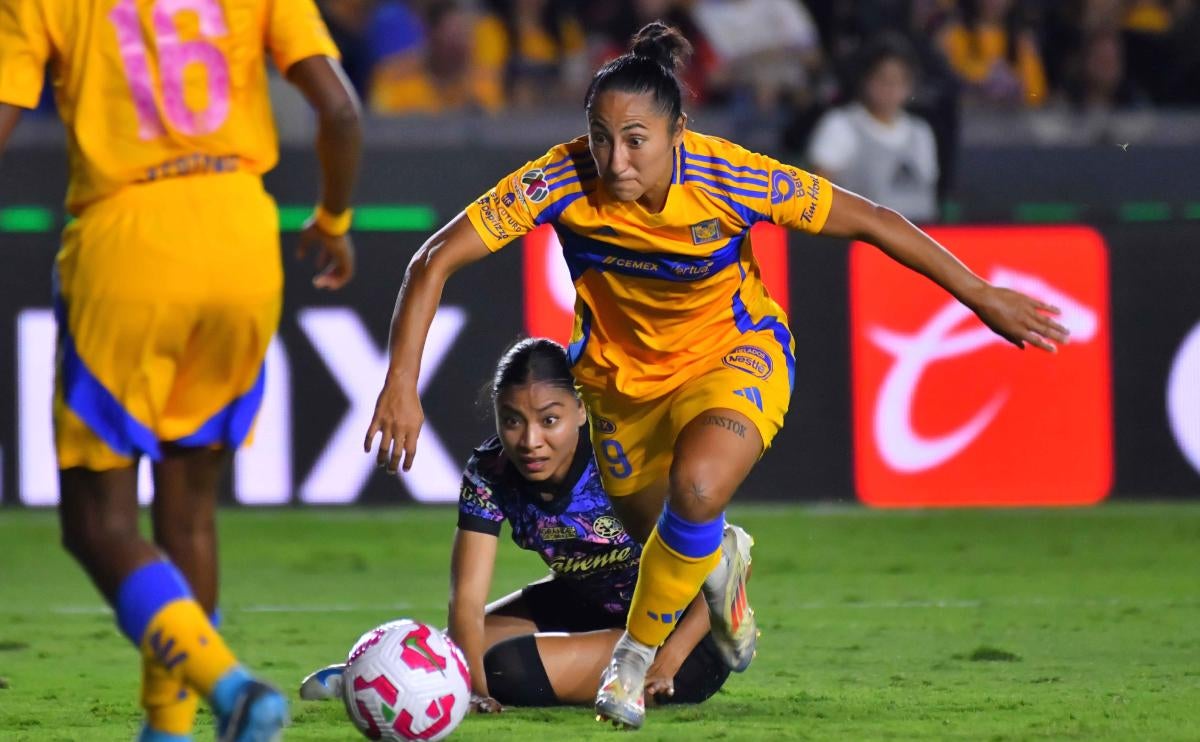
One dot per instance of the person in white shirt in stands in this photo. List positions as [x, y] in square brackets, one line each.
[873, 146]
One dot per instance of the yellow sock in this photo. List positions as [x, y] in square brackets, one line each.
[667, 582]
[183, 640]
[169, 704]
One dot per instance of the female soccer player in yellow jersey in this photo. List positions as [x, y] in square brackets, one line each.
[684, 361]
[168, 289]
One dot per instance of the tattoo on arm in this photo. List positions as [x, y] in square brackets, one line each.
[725, 422]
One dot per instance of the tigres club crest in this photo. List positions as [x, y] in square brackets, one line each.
[606, 526]
[536, 188]
[749, 359]
[706, 231]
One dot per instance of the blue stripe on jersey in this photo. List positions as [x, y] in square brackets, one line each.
[583, 253]
[555, 168]
[95, 404]
[232, 423]
[747, 214]
[675, 160]
[585, 170]
[687, 166]
[730, 165]
[722, 186]
[575, 349]
[565, 182]
[550, 214]
[741, 318]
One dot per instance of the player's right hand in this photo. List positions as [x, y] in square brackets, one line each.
[397, 420]
[335, 256]
[484, 705]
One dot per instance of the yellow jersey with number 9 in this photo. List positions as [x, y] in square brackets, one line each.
[658, 294]
[152, 89]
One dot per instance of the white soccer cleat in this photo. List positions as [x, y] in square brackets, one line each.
[734, 629]
[621, 699]
[323, 684]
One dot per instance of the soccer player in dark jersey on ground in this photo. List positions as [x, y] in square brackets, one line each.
[540, 475]
[684, 361]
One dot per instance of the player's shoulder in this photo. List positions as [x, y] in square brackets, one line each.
[725, 168]
[487, 463]
[566, 170]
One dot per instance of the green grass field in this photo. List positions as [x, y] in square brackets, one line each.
[995, 625]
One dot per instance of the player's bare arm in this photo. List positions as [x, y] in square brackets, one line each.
[9, 116]
[471, 565]
[398, 415]
[1017, 318]
[338, 141]
[660, 678]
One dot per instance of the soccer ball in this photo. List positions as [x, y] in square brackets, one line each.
[405, 680]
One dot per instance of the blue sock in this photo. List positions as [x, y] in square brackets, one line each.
[694, 540]
[143, 593]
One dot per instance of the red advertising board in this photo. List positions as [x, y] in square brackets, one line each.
[550, 296]
[946, 413]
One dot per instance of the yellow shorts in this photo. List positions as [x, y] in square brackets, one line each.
[166, 295]
[634, 439]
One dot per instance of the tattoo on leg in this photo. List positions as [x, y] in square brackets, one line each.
[725, 422]
[698, 493]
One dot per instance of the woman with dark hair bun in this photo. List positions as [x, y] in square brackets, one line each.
[683, 360]
[547, 643]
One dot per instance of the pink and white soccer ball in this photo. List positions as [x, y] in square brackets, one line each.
[405, 680]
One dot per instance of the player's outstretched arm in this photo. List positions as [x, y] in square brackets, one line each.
[398, 416]
[1017, 318]
[9, 116]
[472, 561]
[338, 142]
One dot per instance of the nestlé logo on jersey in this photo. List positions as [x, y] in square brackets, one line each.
[536, 188]
[750, 359]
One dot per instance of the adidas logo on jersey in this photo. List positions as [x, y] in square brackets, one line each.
[753, 394]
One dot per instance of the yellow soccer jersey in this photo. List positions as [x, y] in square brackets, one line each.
[150, 89]
[656, 293]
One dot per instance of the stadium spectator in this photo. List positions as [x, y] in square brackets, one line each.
[168, 288]
[543, 49]
[991, 46]
[873, 146]
[768, 58]
[539, 474]
[445, 68]
[688, 386]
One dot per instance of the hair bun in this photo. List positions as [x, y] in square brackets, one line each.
[662, 43]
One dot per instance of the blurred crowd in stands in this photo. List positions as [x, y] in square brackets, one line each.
[868, 92]
[773, 56]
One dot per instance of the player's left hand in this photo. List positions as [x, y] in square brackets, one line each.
[1020, 319]
[484, 705]
[335, 256]
[660, 678]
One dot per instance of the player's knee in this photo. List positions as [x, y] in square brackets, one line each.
[516, 675]
[698, 492]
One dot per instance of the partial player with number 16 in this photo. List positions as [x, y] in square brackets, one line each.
[168, 289]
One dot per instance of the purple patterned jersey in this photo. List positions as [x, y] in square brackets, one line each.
[575, 531]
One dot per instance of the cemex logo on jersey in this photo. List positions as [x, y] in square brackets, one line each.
[948, 413]
[550, 294]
